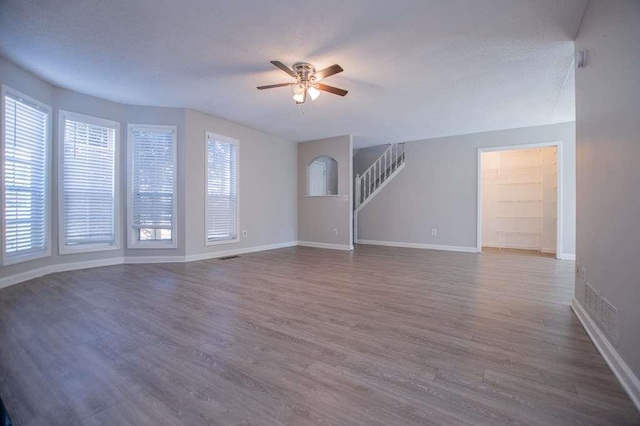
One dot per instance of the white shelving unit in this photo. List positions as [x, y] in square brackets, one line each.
[517, 187]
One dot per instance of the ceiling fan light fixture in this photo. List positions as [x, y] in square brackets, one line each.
[313, 92]
[299, 88]
[299, 97]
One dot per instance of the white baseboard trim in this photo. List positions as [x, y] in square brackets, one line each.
[563, 256]
[236, 252]
[60, 267]
[516, 247]
[629, 381]
[63, 267]
[418, 246]
[325, 245]
[519, 247]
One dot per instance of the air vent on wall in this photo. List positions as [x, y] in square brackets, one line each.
[602, 312]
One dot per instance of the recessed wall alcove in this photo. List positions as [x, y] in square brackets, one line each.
[322, 176]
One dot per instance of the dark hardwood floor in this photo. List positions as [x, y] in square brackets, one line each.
[302, 336]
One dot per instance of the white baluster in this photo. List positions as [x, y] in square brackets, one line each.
[368, 183]
[384, 166]
[394, 153]
[357, 189]
[363, 193]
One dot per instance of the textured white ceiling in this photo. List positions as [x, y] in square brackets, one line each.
[414, 69]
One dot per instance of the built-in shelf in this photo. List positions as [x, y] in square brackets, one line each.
[519, 217]
[521, 183]
[518, 192]
[521, 232]
[513, 169]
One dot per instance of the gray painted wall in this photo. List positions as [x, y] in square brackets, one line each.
[608, 152]
[268, 206]
[365, 157]
[319, 216]
[438, 188]
[267, 185]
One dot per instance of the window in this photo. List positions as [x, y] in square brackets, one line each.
[152, 186]
[88, 181]
[25, 182]
[222, 189]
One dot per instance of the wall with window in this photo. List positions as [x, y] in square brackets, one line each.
[16, 78]
[156, 116]
[326, 221]
[266, 187]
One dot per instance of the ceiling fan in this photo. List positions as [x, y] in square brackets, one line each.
[307, 80]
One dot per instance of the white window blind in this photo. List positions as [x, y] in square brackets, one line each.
[88, 198]
[222, 189]
[25, 180]
[153, 183]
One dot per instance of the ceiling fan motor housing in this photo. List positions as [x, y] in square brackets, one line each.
[304, 71]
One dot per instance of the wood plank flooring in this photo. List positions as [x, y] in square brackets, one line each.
[302, 336]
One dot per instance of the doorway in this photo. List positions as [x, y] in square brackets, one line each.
[317, 178]
[519, 198]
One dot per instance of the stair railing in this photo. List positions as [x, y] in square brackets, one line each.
[381, 169]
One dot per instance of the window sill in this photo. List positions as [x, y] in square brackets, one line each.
[142, 245]
[322, 196]
[88, 248]
[220, 242]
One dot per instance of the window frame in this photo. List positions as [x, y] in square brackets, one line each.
[133, 242]
[87, 248]
[221, 138]
[12, 260]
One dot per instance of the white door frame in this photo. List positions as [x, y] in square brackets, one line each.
[559, 214]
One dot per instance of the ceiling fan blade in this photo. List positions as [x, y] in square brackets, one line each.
[284, 68]
[327, 72]
[271, 86]
[331, 89]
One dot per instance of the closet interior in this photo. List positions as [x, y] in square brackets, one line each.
[519, 199]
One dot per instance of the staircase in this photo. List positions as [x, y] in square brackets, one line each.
[383, 170]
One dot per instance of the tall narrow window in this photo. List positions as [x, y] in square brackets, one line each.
[25, 182]
[88, 181]
[152, 208]
[222, 189]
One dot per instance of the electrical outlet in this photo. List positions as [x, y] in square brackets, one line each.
[345, 198]
[335, 231]
[434, 231]
[245, 234]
